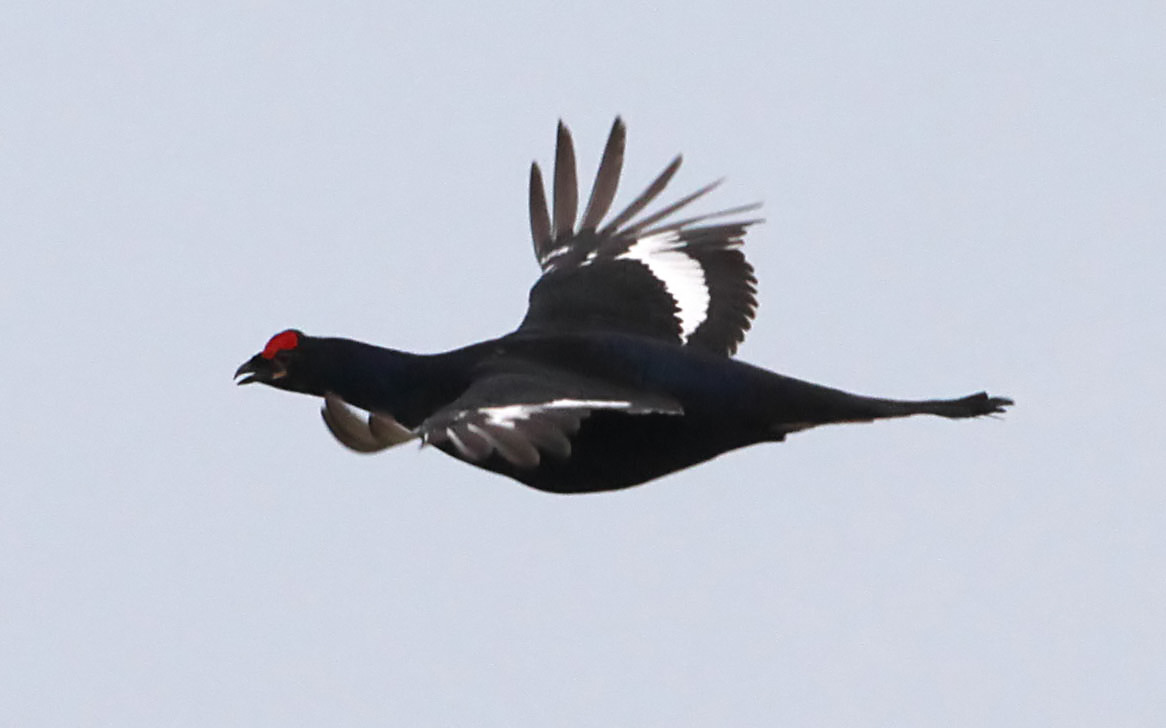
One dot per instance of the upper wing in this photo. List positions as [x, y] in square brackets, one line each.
[522, 417]
[682, 281]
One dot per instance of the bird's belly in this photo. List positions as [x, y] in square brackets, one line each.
[613, 451]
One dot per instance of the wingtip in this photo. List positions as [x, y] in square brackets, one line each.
[565, 188]
[606, 177]
[540, 221]
[645, 198]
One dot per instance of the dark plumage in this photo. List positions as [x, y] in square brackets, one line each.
[621, 370]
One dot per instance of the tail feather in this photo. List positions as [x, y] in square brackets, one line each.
[798, 405]
[974, 405]
[835, 407]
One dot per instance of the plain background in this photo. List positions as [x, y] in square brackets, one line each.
[959, 197]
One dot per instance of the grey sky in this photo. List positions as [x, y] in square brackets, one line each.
[957, 198]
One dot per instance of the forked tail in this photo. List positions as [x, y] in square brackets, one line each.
[974, 405]
[800, 405]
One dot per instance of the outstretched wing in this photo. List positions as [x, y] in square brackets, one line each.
[523, 418]
[377, 432]
[684, 280]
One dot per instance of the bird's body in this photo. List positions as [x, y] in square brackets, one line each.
[621, 371]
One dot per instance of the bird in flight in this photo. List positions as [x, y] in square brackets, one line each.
[622, 369]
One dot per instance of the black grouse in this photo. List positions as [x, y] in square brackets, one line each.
[621, 371]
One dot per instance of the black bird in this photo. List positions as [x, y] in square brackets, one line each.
[621, 371]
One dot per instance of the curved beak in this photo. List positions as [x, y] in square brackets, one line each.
[258, 369]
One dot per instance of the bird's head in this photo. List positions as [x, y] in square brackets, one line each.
[280, 364]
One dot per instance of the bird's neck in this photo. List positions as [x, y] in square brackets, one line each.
[402, 384]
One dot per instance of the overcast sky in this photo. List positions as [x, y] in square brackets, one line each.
[958, 197]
